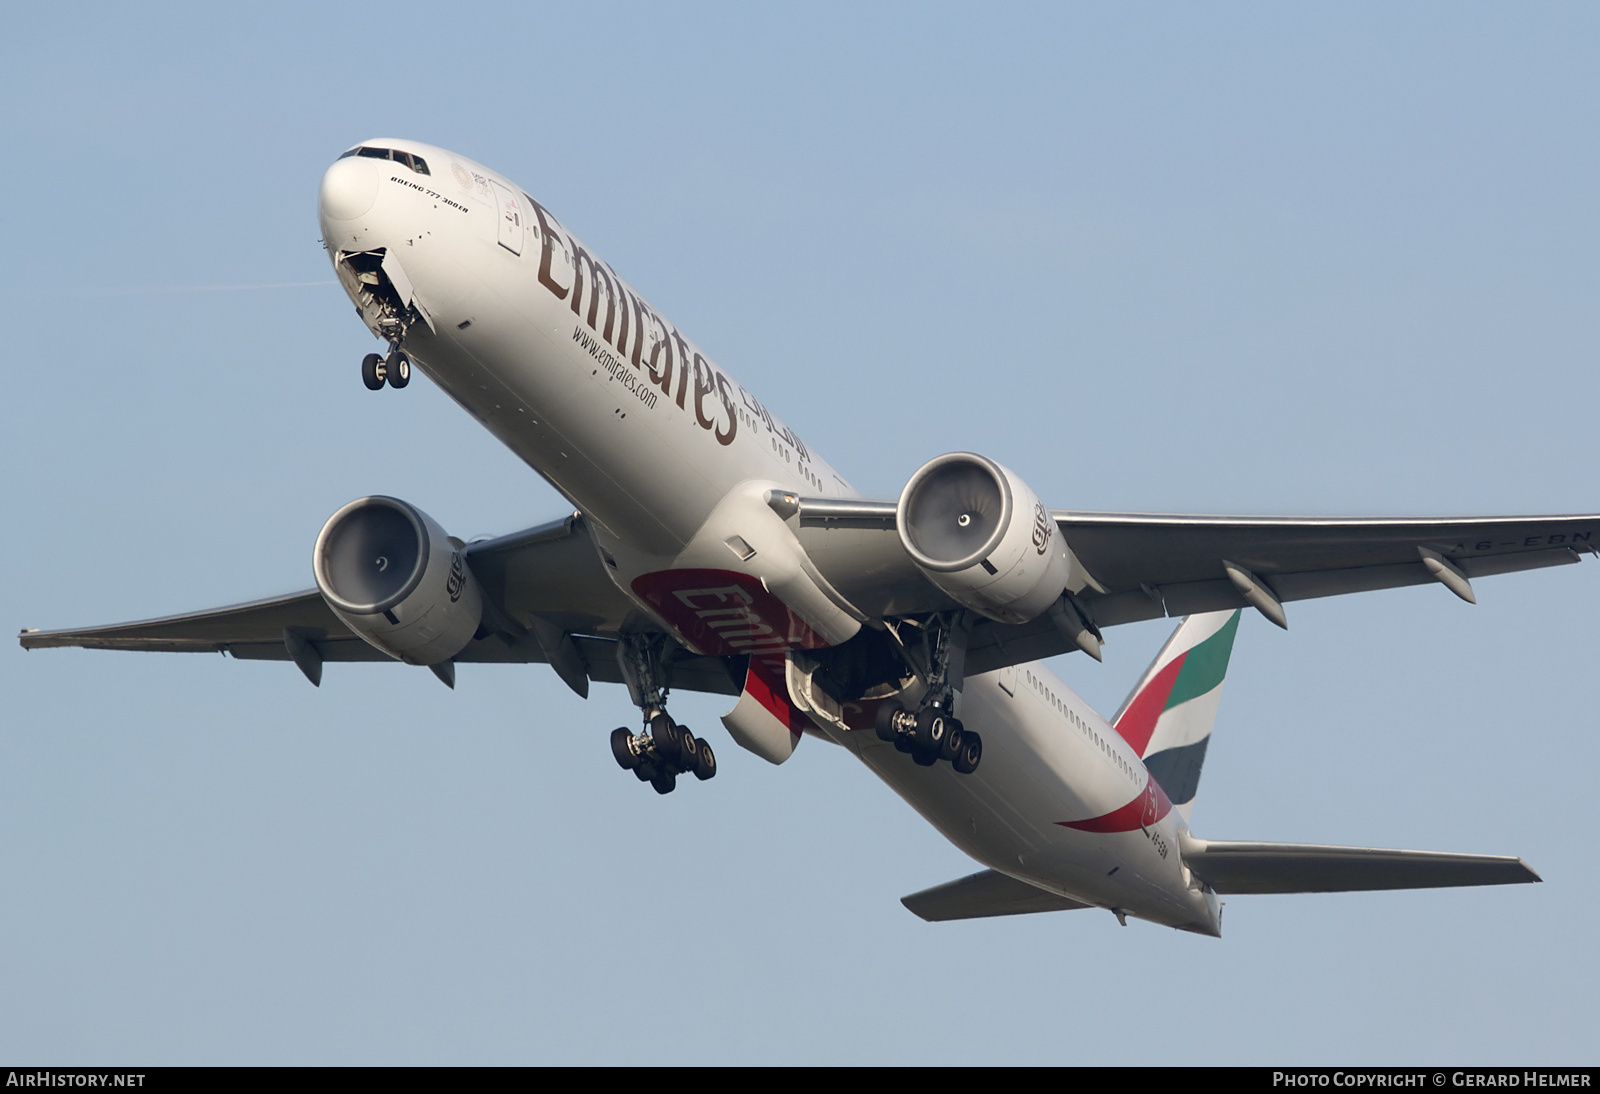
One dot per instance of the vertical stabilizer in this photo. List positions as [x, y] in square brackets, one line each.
[1168, 715]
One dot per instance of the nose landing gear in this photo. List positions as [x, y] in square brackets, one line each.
[393, 369]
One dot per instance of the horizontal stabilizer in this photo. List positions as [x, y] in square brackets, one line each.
[1313, 868]
[983, 894]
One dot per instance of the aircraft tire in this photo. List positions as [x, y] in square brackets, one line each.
[620, 751]
[688, 749]
[884, 723]
[950, 747]
[665, 734]
[665, 782]
[966, 761]
[705, 761]
[924, 757]
[932, 726]
[373, 371]
[398, 368]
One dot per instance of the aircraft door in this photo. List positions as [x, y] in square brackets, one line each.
[512, 222]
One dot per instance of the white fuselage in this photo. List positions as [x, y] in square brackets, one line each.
[572, 370]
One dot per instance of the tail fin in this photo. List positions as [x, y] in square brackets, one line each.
[1167, 717]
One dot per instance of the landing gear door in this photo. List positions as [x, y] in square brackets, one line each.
[512, 222]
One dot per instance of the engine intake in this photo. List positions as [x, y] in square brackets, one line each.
[392, 574]
[978, 532]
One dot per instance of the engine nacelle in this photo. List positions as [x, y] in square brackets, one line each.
[983, 536]
[393, 575]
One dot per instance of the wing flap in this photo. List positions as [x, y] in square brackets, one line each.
[1236, 868]
[986, 893]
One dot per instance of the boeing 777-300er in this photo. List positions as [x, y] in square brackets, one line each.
[710, 549]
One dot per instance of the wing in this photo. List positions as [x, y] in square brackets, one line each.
[550, 599]
[547, 597]
[1148, 565]
[1141, 559]
[254, 630]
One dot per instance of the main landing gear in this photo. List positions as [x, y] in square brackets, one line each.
[393, 369]
[930, 735]
[668, 750]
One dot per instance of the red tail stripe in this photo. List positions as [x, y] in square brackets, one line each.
[1138, 722]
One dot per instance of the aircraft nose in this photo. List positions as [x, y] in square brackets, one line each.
[349, 188]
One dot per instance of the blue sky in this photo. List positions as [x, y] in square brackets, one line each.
[1224, 258]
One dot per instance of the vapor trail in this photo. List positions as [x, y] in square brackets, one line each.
[150, 290]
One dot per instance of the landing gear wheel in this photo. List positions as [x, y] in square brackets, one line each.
[667, 737]
[373, 371]
[931, 729]
[966, 761]
[688, 749]
[924, 757]
[665, 782]
[621, 750]
[950, 747]
[705, 762]
[884, 723]
[398, 367]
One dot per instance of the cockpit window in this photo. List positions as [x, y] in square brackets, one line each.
[416, 163]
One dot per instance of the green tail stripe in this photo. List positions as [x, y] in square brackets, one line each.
[1204, 666]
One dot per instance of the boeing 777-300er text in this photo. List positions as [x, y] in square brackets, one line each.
[710, 549]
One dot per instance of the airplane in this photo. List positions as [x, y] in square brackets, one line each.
[710, 549]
